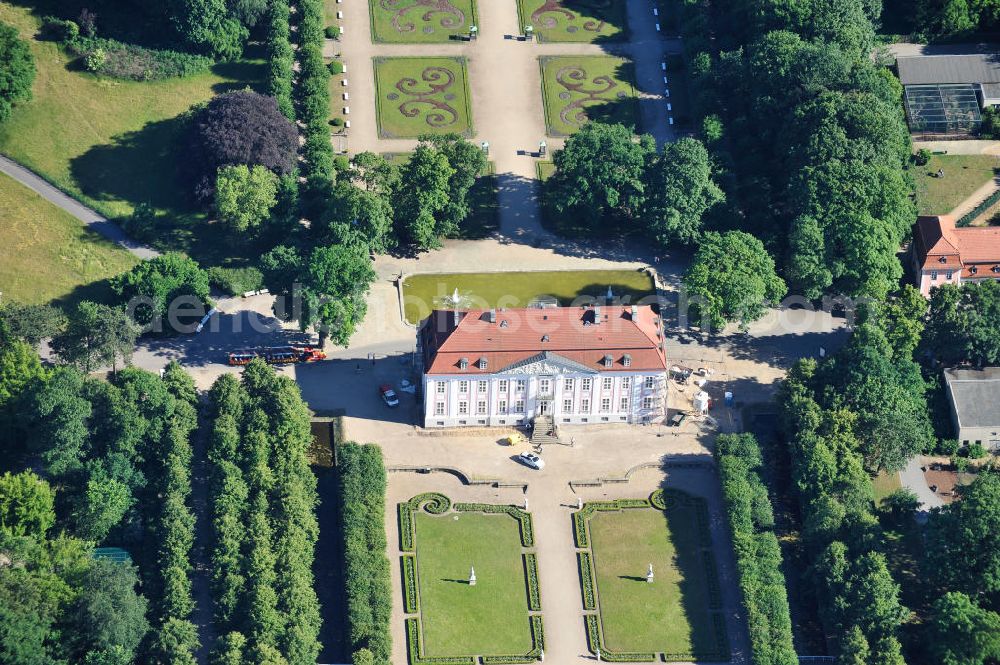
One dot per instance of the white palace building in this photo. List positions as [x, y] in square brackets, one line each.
[577, 365]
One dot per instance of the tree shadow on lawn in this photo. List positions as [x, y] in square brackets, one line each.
[611, 12]
[145, 166]
[248, 72]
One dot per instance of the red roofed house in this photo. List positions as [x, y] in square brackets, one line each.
[577, 365]
[944, 254]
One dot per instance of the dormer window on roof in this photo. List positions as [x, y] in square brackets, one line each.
[546, 338]
[482, 363]
[608, 360]
[463, 363]
[943, 259]
[627, 360]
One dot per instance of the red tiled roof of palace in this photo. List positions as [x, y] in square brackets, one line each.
[941, 245]
[507, 336]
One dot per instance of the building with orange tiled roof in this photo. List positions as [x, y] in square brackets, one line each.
[946, 254]
[577, 365]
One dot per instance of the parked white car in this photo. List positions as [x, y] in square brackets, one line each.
[532, 460]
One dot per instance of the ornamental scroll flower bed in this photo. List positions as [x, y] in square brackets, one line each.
[409, 21]
[450, 621]
[581, 88]
[575, 21]
[422, 95]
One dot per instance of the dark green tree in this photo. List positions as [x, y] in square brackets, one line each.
[963, 539]
[731, 279]
[422, 204]
[97, 336]
[108, 611]
[335, 285]
[600, 177]
[961, 632]
[679, 192]
[153, 287]
[17, 70]
[31, 323]
[468, 162]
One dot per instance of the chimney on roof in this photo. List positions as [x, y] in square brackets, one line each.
[597, 314]
[635, 313]
[493, 316]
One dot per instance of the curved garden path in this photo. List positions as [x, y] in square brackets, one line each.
[90, 217]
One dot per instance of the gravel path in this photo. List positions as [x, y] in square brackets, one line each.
[88, 216]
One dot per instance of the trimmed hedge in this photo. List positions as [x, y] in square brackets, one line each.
[594, 642]
[280, 57]
[366, 567]
[537, 645]
[758, 554]
[523, 519]
[416, 658]
[313, 93]
[531, 578]
[236, 281]
[587, 581]
[982, 207]
[411, 597]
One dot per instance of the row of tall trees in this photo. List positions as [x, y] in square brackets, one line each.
[263, 502]
[366, 567]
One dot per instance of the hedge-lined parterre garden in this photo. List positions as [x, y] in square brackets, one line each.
[369, 590]
[580, 88]
[416, 21]
[457, 622]
[677, 616]
[574, 20]
[758, 554]
[416, 96]
[263, 501]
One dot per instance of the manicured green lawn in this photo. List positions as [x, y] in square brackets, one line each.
[422, 96]
[412, 21]
[111, 143]
[963, 175]
[580, 88]
[462, 620]
[544, 170]
[885, 484]
[671, 615]
[421, 293]
[574, 20]
[46, 253]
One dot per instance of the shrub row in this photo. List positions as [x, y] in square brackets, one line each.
[587, 581]
[366, 567]
[411, 598]
[172, 522]
[129, 62]
[537, 645]
[280, 57]
[758, 555]
[712, 580]
[594, 641]
[982, 207]
[313, 94]
[416, 658]
[523, 519]
[432, 502]
[531, 577]
[268, 593]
